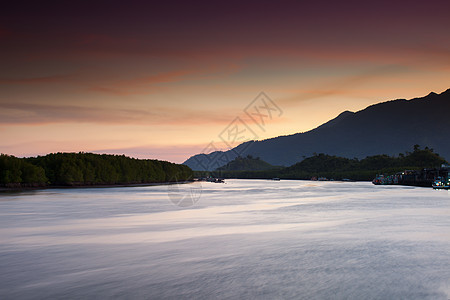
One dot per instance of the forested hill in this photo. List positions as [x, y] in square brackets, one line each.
[79, 169]
[334, 167]
[248, 163]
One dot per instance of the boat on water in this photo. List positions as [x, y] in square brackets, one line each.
[379, 179]
[441, 183]
[438, 178]
[212, 179]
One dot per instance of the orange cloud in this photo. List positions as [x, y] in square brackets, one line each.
[142, 85]
[342, 85]
[151, 83]
[29, 113]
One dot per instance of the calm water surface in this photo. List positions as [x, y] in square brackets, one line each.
[243, 239]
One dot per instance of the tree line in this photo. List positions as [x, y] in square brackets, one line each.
[334, 167]
[78, 169]
[248, 163]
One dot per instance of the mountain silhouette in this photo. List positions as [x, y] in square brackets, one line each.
[248, 163]
[390, 127]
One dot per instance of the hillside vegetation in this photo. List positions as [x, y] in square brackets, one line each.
[75, 169]
[334, 167]
[248, 163]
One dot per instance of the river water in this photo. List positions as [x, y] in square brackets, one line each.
[244, 239]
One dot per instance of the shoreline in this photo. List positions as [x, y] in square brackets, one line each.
[31, 188]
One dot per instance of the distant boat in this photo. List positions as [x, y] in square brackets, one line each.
[379, 180]
[212, 179]
[276, 179]
[441, 183]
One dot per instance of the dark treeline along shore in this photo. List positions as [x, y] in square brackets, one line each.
[86, 169]
[332, 167]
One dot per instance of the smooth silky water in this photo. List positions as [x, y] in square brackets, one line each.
[243, 239]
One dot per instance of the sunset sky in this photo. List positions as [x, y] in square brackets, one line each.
[162, 79]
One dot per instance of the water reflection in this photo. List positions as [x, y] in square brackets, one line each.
[245, 239]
